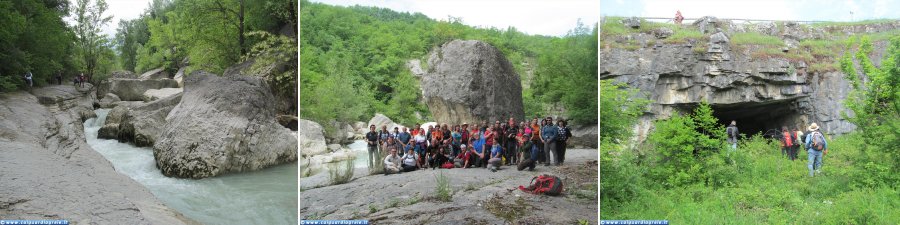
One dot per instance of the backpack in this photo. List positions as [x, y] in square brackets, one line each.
[787, 139]
[818, 141]
[544, 184]
[730, 131]
[447, 165]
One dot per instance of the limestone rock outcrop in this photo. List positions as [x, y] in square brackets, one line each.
[133, 89]
[155, 74]
[470, 81]
[154, 94]
[222, 124]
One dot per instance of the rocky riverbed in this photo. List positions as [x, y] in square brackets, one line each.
[48, 171]
[478, 196]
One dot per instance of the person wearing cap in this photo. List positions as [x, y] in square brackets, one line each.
[392, 163]
[815, 156]
[527, 153]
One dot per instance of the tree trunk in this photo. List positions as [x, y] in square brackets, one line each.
[241, 29]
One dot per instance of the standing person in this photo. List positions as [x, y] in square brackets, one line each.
[383, 135]
[797, 145]
[404, 138]
[372, 141]
[421, 142]
[465, 133]
[82, 79]
[548, 136]
[562, 140]
[678, 17]
[58, 77]
[787, 143]
[392, 163]
[815, 147]
[536, 139]
[478, 143]
[457, 141]
[496, 158]
[511, 143]
[428, 134]
[391, 143]
[415, 130]
[488, 143]
[732, 132]
[29, 79]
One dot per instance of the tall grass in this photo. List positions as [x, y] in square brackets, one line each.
[338, 174]
[442, 191]
[769, 189]
[756, 39]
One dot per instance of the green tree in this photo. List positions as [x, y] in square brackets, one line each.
[89, 21]
[34, 39]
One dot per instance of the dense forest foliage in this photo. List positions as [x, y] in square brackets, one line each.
[169, 34]
[35, 38]
[684, 172]
[353, 63]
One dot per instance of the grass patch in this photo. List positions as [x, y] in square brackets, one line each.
[510, 212]
[338, 174]
[442, 191]
[372, 208]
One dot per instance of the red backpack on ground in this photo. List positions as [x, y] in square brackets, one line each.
[544, 184]
[447, 165]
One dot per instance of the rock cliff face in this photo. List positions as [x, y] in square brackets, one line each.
[50, 172]
[222, 124]
[470, 81]
[759, 92]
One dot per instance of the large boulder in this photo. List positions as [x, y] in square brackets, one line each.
[108, 100]
[154, 94]
[223, 124]
[179, 77]
[469, 81]
[380, 120]
[142, 125]
[312, 138]
[159, 73]
[583, 136]
[133, 89]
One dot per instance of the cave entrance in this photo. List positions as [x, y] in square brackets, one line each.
[764, 118]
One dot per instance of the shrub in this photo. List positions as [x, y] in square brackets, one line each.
[442, 190]
[340, 175]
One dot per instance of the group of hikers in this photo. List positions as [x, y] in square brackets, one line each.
[484, 145]
[791, 140]
[79, 80]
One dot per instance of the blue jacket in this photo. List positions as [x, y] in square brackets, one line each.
[809, 140]
[549, 132]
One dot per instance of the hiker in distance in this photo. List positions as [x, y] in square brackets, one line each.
[732, 132]
[816, 146]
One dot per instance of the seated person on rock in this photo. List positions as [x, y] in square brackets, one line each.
[392, 163]
[496, 156]
[410, 161]
[464, 158]
[439, 158]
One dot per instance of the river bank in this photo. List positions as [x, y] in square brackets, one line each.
[50, 172]
[266, 196]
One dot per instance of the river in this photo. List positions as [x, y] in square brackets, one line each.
[267, 196]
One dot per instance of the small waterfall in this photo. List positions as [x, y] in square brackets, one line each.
[268, 196]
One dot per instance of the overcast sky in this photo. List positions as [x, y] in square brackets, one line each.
[118, 9]
[825, 10]
[553, 18]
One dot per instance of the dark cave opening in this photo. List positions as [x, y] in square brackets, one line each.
[765, 118]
